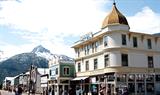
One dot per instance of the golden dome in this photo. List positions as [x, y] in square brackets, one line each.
[115, 17]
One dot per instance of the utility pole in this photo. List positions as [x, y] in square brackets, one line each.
[29, 80]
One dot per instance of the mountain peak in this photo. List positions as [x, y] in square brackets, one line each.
[45, 53]
[40, 49]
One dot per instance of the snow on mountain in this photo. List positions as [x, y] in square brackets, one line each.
[40, 49]
[45, 53]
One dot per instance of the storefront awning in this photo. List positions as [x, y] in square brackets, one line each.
[80, 78]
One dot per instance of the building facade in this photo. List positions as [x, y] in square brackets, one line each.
[61, 73]
[8, 83]
[117, 60]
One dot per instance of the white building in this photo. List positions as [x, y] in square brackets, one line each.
[35, 79]
[42, 79]
[8, 83]
[116, 58]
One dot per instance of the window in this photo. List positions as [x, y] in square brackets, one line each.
[85, 50]
[95, 63]
[149, 43]
[106, 60]
[66, 70]
[124, 59]
[131, 77]
[93, 47]
[150, 62]
[79, 67]
[121, 78]
[150, 78]
[88, 47]
[87, 65]
[50, 72]
[96, 46]
[124, 42]
[157, 77]
[56, 71]
[78, 51]
[135, 42]
[105, 40]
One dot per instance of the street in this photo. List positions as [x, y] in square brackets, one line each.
[3, 92]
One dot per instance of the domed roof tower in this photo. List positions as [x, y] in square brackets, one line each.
[115, 20]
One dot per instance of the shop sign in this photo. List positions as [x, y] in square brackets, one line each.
[93, 80]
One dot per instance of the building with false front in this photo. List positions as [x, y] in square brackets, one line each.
[8, 83]
[61, 73]
[117, 60]
[36, 84]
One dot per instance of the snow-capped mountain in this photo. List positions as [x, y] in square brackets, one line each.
[45, 53]
[21, 62]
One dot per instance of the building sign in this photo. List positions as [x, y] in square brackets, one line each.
[53, 78]
[96, 72]
[93, 80]
[86, 36]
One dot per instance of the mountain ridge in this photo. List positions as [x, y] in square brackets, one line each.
[20, 63]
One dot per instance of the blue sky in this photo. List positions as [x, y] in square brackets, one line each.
[57, 24]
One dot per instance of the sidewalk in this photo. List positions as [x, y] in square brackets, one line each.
[3, 92]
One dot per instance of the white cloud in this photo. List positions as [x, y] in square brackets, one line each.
[48, 22]
[145, 21]
[58, 16]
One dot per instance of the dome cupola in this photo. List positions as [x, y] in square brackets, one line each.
[115, 18]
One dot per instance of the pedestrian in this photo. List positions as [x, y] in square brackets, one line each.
[0, 93]
[20, 90]
[101, 91]
[49, 91]
[60, 91]
[52, 91]
[71, 91]
[125, 92]
[16, 91]
[65, 92]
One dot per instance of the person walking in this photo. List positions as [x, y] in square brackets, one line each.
[71, 91]
[16, 90]
[60, 91]
[20, 90]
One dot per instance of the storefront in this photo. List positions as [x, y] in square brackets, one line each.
[59, 87]
[138, 83]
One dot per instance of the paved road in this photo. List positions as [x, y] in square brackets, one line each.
[6, 93]
[11, 93]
